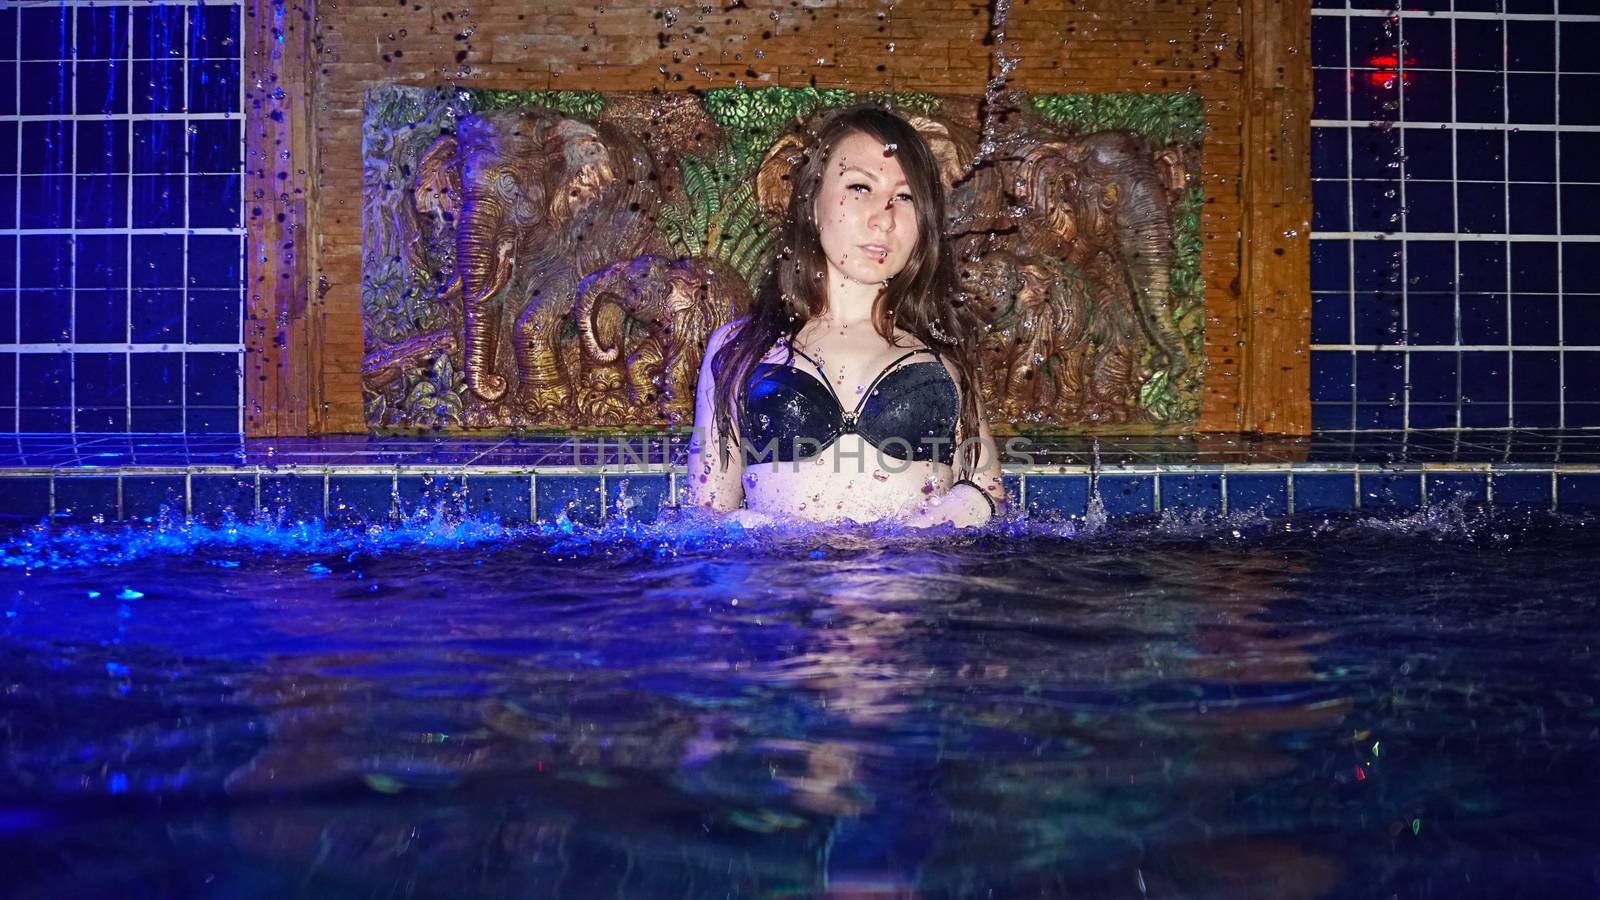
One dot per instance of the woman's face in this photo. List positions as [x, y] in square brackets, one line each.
[865, 213]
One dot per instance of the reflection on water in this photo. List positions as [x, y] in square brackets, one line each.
[1219, 708]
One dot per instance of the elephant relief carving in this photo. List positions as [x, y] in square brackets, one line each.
[679, 303]
[583, 258]
[545, 202]
[1035, 360]
[1103, 204]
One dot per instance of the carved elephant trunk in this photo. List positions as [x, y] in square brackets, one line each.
[619, 284]
[486, 250]
[1147, 252]
[486, 265]
[589, 301]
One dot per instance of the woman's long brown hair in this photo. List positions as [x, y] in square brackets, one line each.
[921, 299]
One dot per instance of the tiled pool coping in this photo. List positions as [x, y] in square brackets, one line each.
[343, 480]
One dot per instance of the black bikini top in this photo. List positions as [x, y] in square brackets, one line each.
[908, 413]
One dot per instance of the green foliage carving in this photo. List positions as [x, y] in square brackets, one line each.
[426, 396]
[436, 393]
[752, 120]
[1162, 119]
[1188, 291]
[718, 216]
[584, 105]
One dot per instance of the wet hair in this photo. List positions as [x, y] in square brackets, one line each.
[921, 299]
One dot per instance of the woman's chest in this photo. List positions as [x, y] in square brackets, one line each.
[848, 365]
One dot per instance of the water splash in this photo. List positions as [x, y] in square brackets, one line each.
[674, 533]
[1094, 517]
[1000, 66]
[684, 533]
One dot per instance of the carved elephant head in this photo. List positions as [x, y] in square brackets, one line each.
[1108, 193]
[1039, 308]
[681, 302]
[541, 195]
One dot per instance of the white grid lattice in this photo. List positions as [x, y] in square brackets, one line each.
[182, 348]
[1351, 127]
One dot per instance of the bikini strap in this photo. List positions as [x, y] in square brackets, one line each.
[807, 357]
[821, 373]
[882, 374]
[870, 388]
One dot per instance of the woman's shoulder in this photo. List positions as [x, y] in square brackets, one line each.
[725, 333]
[778, 352]
[905, 341]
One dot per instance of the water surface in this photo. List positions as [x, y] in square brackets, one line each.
[1223, 708]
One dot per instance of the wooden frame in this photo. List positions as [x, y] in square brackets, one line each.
[302, 328]
[1276, 247]
[282, 345]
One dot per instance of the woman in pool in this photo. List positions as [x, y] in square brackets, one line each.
[847, 393]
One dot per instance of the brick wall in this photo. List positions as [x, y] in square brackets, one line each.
[928, 45]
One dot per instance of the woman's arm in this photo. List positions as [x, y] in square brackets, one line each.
[975, 499]
[711, 485]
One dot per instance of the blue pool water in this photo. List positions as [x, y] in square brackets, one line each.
[1314, 707]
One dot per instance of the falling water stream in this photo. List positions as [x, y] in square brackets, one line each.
[1000, 66]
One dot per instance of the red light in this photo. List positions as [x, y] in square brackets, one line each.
[1388, 68]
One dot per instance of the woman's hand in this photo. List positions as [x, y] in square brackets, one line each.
[929, 516]
[960, 506]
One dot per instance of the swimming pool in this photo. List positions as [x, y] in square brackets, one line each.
[1201, 705]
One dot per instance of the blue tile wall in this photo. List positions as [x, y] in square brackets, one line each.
[1191, 493]
[1324, 492]
[1128, 495]
[1013, 488]
[360, 499]
[504, 498]
[1448, 487]
[121, 229]
[1578, 491]
[294, 498]
[1391, 491]
[87, 498]
[1265, 493]
[144, 498]
[1057, 496]
[1531, 489]
[576, 496]
[24, 499]
[214, 498]
[1455, 202]
[639, 497]
[427, 495]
